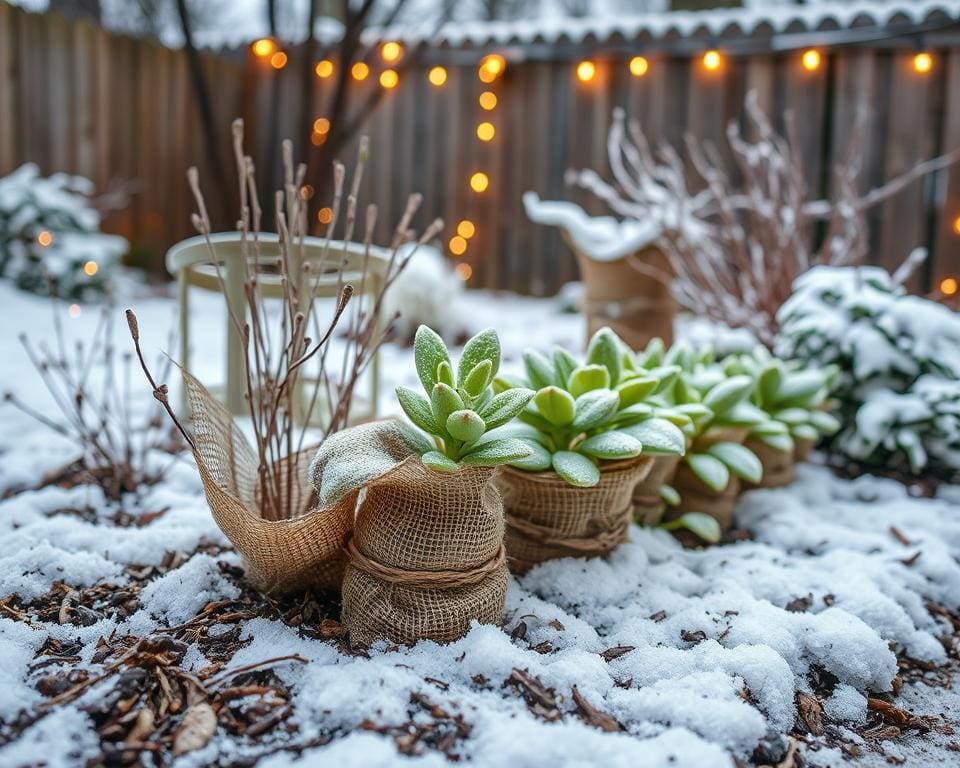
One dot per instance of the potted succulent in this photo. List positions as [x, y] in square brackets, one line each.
[795, 398]
[572, 496]
[426, 555]
[708, 477]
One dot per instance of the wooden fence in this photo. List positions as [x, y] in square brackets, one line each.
[76, 98]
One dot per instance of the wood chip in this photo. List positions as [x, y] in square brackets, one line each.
[593, 716]
[616, 652]
[809, 714]
[197, 728]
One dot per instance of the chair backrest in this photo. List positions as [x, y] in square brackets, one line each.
[194, 255]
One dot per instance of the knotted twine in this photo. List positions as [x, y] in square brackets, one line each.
[547, 518]
[778, 466]
[426, 556]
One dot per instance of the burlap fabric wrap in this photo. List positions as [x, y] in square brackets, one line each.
[635, 304]
[426, 554]
[778, 466]
[300, 550]
[648, 506]
[802, 449]
[695, 496]
[547, 518]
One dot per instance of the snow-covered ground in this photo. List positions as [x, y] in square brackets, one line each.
[655, 656]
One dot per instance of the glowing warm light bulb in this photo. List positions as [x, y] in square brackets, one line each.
[923, 62]
[359, 71]
[712, 60]
[948, 286]
[321, 125]
[389, 78]
[324, 68]
[45, 239]
[810, 60]
[278, 60]
[479, 182]
[318, 139]
[74, 311]
[486, 131]
[488, 100]
[391, 51]
[465, 271]
[956, 225]
[466, 229]
[458, 245]
[586, 71]
[325, 215]
[263, 47]
[90, 268]
[491, 67]
[437, 76]
[639, 66]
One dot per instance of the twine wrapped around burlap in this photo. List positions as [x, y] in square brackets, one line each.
[301, 550]
[547, 518]
[778, 466]
[648, 505]
[426, 554]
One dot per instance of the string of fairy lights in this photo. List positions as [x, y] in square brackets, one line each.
[490, 70]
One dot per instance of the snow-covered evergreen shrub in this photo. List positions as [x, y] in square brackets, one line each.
[48, 226]
[899, 357]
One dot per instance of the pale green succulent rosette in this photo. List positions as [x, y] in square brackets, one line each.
[461, 409]
[586, 413]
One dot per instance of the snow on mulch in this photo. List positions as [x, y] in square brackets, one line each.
[658, 655]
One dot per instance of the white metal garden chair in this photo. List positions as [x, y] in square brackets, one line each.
[190, 261]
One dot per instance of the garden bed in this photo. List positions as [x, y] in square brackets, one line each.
[829, 628]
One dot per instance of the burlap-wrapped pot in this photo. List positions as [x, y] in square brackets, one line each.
[636, 305]
[300, 547]
[778, 466]
[547, 518]
[802, 449]
[426, 556]
[696, 496]
[648, 506]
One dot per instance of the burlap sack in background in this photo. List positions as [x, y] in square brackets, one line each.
[648, 506]
[778, 466]
[301, 550]
[695, 496]
[802, 449]
[547, 518]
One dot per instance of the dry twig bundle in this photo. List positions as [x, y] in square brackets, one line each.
[283, 339]
[89, 384]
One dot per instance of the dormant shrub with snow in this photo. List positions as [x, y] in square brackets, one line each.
[426, 555]
[588, 429]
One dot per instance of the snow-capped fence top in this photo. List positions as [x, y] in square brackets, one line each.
[767, 19]
[76, 98]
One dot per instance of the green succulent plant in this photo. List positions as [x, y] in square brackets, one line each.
[793, 395]
[712, 399]
[461, 409]
[596, 410]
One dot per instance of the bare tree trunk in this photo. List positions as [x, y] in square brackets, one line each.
[202, 94]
